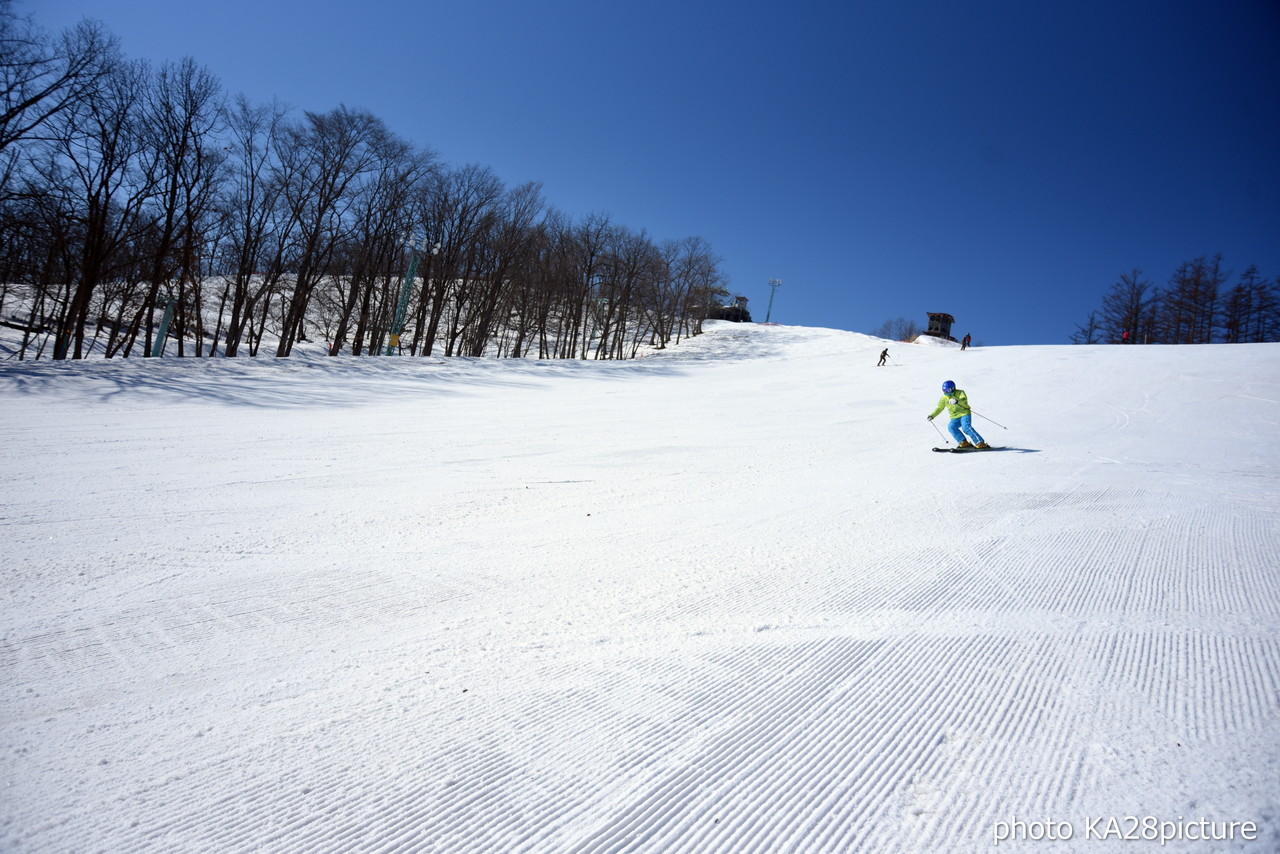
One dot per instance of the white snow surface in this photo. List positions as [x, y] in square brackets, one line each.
[719, 599]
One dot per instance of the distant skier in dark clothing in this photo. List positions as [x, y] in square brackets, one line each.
[884, 354]
[964, 345]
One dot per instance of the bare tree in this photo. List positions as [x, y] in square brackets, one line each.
[324, 158]
[99, 145]
[1194, 309]
[898, 329]
[181, 118]
[632, 265]
[1130, 306]
[510, 243]
[460, 207]
[544, 294]
[592, 239]
[122, 186]
[41, 76]
[1251, 310]
[256, 231]
[382, 218]
[690, 264]
[1189, 307]
[1089, 332]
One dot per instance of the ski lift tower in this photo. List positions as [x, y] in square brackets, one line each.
[774, 284]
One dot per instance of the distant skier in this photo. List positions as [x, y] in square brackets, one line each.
[964, 345]
[957, 404]
[884, 354]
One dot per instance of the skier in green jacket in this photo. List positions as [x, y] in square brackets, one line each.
[956, 403]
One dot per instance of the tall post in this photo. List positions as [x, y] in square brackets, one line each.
[774, 284]
[397, 325]
[157, 348]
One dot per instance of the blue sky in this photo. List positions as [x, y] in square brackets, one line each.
[1004, 162]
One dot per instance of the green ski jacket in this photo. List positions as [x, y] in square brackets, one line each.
[956, 404]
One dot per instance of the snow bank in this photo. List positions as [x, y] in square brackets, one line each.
[934, 341]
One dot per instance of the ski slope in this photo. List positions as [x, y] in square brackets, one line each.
[719, 599]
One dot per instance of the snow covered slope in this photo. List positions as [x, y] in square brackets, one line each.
[719, 599]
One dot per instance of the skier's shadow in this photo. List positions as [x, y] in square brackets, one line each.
[1001, 450]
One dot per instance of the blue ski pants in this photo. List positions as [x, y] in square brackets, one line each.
[964, 423]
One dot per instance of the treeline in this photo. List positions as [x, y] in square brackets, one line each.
[133, 196]
[1202, 303]
[898, 329]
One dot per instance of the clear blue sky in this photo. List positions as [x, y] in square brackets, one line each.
[1002, 161]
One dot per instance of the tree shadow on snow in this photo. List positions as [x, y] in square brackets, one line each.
[308, 381]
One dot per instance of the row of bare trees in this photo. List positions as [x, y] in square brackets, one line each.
[898, 329]
[137, 199]
[1201, 304]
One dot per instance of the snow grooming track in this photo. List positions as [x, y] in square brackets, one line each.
[696, 602]
[777, 769]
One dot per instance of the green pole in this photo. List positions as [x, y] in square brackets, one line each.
[157, 348]
[397, 326]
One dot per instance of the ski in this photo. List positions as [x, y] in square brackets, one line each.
[963, 450]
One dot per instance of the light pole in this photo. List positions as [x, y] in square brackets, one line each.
[774, 284]
[397, 325]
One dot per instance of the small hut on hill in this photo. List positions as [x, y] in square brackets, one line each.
[737, 312]
[940, 325]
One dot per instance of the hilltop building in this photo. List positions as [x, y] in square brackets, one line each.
[737, 311]
[940, 325]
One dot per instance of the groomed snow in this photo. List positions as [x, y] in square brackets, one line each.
[720, 599]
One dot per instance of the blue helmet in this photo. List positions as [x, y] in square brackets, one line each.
[948, 387]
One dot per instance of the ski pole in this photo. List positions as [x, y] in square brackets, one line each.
[980, 415]
[939, 429]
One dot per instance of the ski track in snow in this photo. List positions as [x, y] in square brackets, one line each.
[720, 599]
